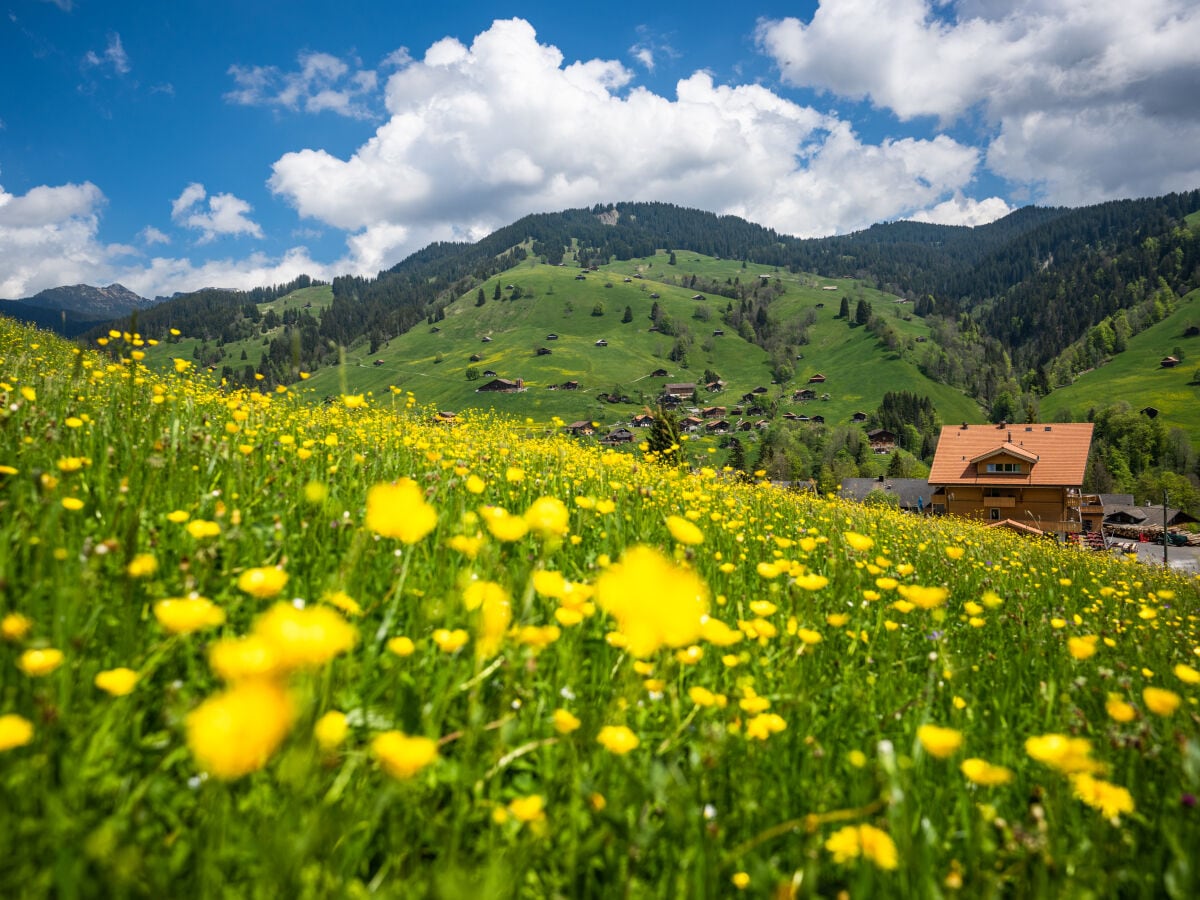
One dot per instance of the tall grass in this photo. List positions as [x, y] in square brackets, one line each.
[762, 747]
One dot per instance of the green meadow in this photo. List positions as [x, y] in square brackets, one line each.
[252, 646]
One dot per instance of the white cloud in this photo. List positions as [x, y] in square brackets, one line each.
[114, 55]
[50, 237]
[226, 214]
[323, 83]
[959, 210]
[1105, 79]
[478, 136]
[151, 236]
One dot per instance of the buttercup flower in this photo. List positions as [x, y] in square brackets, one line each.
[402, 756]
[236, 732]
[117, 682]
[15, 731]
[399, 511]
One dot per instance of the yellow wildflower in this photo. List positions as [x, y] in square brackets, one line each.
[39, 663]
[236, 732]
[863, 840]
[263, 583]
[402, 756]
[618, 739]
[1160, 701]
[1066, 754]
[981, 772]
[142, 566]
[304, 638]
[184, 615]
[15, 731]
[117, 682]
[401, 646]
[1082, 647]
[938, 741]
[399, 511]
[1110, 799]
[330, 730]
[654, 601]
[548, 517]
[683, 531]
[15, 627]
[565, 722]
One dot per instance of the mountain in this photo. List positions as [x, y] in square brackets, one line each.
[73, 309]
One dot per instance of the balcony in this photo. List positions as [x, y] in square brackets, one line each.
[999, 502]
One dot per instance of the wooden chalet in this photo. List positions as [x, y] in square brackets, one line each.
[720, 426]
[1030, 475]
[543, 351]
[682, 391]
[817, 379]
[691, 423]
[804, 395]
[620, 436]
[501, 386]
[713, 412]
[581, 429]
[858, 417]
[643, 420]
[1169, 362]
[882, 440]
[659, 373]
[601, 343]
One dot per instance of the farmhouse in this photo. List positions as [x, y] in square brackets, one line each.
[691, 423]
[543, 351]
[882, 440]
[601, 343]
[817, 379]
[713, 412]
[581, 429]
[1029, 475]
[718, 427]
[489, 373]
[682, 391]
[715, 387]
[642, 420]
[805, 394]
[475, 357]
[502, 386]
[817, 420]
[552, 336]
[659, 373]
[859, 417]
[620, 436]
[1169, 362]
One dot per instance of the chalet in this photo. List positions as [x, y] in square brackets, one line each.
[792, 417]
[735, 411]
[682, 391]
[691, 423]
[444, 417]
[759, 390]
[552, 336]
[654, 296]
[882, 440]
[435, 330]
[475, 357]
[581, 277]
[543, 351]
[712, 412]
[490, 373]
[718, 427]
[820, 306]
[1150, 412]
[486, 339]
[581, 429]
[378, 362]
[1192, 331]
[697, 296]
[601, 343]
[817, 379]
[1169, 362]
[569, 386]
[762, 424]
[817, 420]
[1029, 475]
[746, 425]
[628, 280]
[502, 386]
[748, 398]
[715, 387]
[912, 494]
[659, 373]
[803, 419]
[859, 417]
[643, 420]
[829, 287]
[805, 394]
[620, 436]
[638, 275]
[718, 333]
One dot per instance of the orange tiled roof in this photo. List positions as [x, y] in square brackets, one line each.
[1061, 451]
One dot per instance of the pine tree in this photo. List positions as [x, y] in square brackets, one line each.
[844, 309]
[628, 317]
[664, 441]
[480, 299]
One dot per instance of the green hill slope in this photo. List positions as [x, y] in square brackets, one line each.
[432, 361]
[1137, 377]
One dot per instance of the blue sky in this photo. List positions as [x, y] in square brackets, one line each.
[176, 145]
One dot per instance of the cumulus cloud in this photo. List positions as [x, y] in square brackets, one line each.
[479, 135]
[151, 236]
[322, 83]
[113, 57]
[50, 237]
[226, 214]
[960, 210]
[1051, 78]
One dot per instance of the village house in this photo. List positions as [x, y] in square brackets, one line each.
[1027, 477]
[858, 417]
[804, 395]
[489, 373]
[715, 387]
[620, 436]
[502, 386]
[912, 494]
[581, 429]
[817, 379]
[642, 420]
[1169, 362]
[543, 351]
[691, 423]
[882, 440]
[683, 391]
[601, 343]
[713, 412]
[659, 373]
[718, 427]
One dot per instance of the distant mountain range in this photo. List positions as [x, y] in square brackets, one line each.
[73, 309]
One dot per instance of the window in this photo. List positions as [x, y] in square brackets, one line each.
[1004, 467]
[995, 513]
